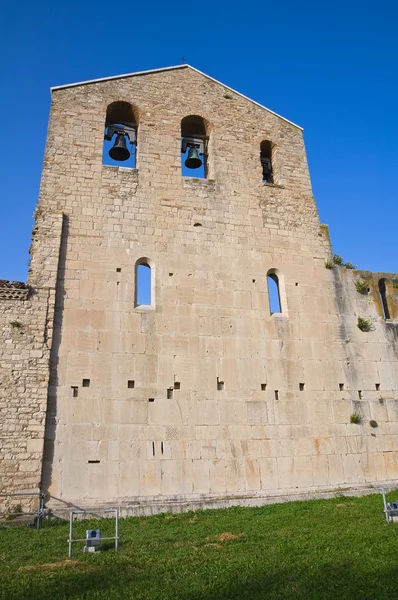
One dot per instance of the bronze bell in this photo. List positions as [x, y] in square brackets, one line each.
[119, 150]
[193, 161]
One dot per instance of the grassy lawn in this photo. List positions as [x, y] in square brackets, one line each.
[340, 548]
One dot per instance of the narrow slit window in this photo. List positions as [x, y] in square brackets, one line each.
[143, 283]
[120, 136]
[383, 298]
[194, 141]
[274, 293]
[266, 161]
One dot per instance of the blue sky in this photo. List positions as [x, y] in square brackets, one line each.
[331, 67]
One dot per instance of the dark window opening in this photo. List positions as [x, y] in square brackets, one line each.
[86, 383]
[266, 161]
[153, 448]
[130, 383]
[177, 385]
[273, 293]
[220, 384]
[341, 387]
[143, 287]
[360, 394]
[263, 387]
[161, 447]
[194, 141]
[377, 386]
[118, 270]
[75, 391]
[120, 138]
[301, 387]
[151, 399]
[276, 395]
[383, 297]
[170, 393]
[93, 462]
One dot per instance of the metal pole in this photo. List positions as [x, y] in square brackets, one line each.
[70, 533]
[117, 529]
[385, 505]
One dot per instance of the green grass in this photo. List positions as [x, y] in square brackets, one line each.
[323, 549]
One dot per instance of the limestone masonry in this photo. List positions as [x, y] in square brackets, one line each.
[200, 394]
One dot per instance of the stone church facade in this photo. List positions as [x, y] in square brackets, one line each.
[203, 392]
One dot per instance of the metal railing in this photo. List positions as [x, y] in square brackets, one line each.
[83, 512]
[40, 504]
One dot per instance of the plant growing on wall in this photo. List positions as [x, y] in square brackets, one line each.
[365, 324]
[373, 423]
[338, 260]
[349, 265]
[15, 324]
[329, 264]
[361, 286]
[356, 418]
[394, 283]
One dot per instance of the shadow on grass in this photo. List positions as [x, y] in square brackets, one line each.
[129, 581]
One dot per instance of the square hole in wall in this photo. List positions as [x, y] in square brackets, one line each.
[377, 385]
[118, 270]
[341, 387]
[177, 385]
[301, 387]
[263, 387]
[220, 384]
[151, 399]
[75, 391]
[130, 383]
[86, 383]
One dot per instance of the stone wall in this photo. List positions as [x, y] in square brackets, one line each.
[24, 360]
[204, 394]
[26, 326]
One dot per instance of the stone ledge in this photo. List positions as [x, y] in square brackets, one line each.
[14, 290]
[140, 506]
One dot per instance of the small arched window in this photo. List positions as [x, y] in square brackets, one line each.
[144, 283]
[120, 138]
[276, 292]
[266, 161]
[383, 298]
[194, 143]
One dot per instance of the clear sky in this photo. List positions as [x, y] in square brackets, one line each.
[330, 67]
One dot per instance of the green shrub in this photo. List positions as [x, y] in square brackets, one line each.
[338, 260]
[365, 324]
[349, 265]
[361, 286]
[356, 418]
[329, 264]
[373, 423]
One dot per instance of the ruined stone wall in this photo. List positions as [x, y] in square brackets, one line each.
[24, 358]
[26, 327]
[203, 394]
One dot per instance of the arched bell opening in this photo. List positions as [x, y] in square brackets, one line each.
[194, 146]
[120, 137]
[383, 298]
